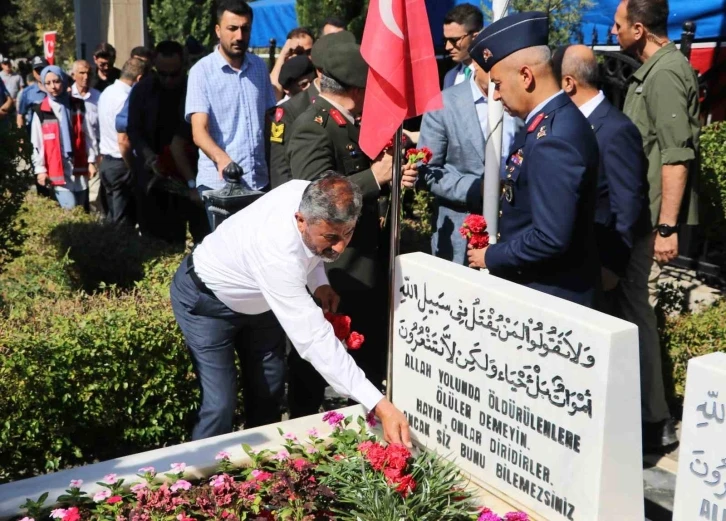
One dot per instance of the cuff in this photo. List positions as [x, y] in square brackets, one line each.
[41, 170]
[367, 395]
[674, 156]
[494, 257]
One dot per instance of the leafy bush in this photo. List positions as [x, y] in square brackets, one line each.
[713, 185]
[91, 374]
[691, 335]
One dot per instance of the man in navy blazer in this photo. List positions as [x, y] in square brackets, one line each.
[461, 24]
[621, 211]
[549, 192]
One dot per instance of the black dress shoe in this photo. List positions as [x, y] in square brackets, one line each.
[660, 436]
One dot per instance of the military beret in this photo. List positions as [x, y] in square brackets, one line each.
[346, 65]
[507, 36]
[326, 43]
[294, 68]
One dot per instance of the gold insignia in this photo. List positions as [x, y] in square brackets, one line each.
[542, 132]
[349, 147]
[277, 132]
[318, 120]
[486, 54]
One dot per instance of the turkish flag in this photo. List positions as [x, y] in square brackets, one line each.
[403, 79]
[49, 46]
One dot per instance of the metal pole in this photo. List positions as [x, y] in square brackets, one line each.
[395, 226]
[271, 57]
[493, 152]
[689, 32]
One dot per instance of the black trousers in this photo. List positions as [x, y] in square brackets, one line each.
[118, 183]
[368, 311]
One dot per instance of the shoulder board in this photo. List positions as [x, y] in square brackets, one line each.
[535, 122]
[338, 117]
[279, 112]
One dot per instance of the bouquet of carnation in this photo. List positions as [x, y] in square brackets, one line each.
[474, 230]
[414, 155]
[341, 326]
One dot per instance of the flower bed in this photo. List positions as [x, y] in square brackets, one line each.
[348, 474]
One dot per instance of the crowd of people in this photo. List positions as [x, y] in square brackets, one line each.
[591, 197]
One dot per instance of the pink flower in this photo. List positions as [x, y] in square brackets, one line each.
[222, 455]
[371, 419]
[333, 418]
[487, 515]
[110, 478]
[260, 475]
[139, 487]
[147, 470]
[72, 515]
[183, 517]
[113, 499]
[58, 513]
[290, 436]
[282, 455]
[27, 519]
[516, 516]
[180, 485]
[102, 495]
[312, 450]
[178, 467]
[76, 483]
[313, 433]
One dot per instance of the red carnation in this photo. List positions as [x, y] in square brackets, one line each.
[427, 155]
[113, 499]
[355, 340]
[376, 456]
[406, 484]
[479, 240]
[398, 456]
[341, 324]
[474, 223]
[72, 515]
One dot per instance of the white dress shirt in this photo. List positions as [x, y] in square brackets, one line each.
[90, 99]
[256, 261]
[589, 106]
[110, 104]
[539, 107]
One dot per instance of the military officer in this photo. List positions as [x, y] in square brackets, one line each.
[546, 224]
[287, 112]
[325, 137]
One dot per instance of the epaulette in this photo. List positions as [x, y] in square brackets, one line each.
[338, 117]
[536, 125]
[279, 113]
[321, 117]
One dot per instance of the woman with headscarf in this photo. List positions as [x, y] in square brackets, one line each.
[64, 147]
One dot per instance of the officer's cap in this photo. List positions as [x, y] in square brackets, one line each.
[328, 43]
[507, 36]
[295, 68]
[39, 63]
[346, 65]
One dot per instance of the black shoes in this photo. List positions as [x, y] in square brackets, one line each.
[660, 436]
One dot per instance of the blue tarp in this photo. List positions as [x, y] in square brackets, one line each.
[275, 18]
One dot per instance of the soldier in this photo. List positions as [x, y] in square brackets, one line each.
[546, 237]
[287, 112]
[325, 137]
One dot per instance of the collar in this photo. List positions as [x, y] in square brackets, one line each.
[644, 69]
[76, 94]
[476, 92]
[307, 251]
[222, 63]
[590, 105]
[348, 115]
[539, 107]
[125, 87]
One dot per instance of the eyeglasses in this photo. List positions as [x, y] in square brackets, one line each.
[454, 40]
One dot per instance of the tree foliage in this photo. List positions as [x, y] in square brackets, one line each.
[29, 19]
[312, 13]
[565, 16]
[178, 19]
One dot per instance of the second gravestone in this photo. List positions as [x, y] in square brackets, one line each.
[532, 395]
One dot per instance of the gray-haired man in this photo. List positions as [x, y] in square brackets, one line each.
[246, 286]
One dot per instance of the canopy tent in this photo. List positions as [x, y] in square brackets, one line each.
[272, 19]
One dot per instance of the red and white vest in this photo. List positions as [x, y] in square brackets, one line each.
[52, 147]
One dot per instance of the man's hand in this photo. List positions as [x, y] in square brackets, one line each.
[666, 248]
[409, 175]
[382, 168]
[610, 279]
[395, 425]
[42, 179]
[328, 298]
[92, 170]
[476, 257]
[222, 164]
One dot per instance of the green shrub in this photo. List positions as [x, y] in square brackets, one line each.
[713, 181]
[691, 335]
[95, 374]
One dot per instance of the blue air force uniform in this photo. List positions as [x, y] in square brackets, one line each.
[549, 185]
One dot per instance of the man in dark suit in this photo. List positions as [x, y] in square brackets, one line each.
[325, 137]
[461, 24]
[619, 215]
[546, 238]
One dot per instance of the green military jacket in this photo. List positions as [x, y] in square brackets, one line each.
[323, 139]
[662, 101]
[281, 119]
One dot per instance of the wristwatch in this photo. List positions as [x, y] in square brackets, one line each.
[192, 184]
[665, 230]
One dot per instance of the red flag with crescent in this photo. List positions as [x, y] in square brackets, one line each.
[403, 79]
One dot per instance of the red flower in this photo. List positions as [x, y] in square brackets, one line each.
[341, 324]
[414, 155]
[114, 499]
[393, 475]
[426, 151]
[397, 456]
[364, 446]
[355, 340]
[406, 484]
[72, 515]
[479, 240]
[473, 223]
[376, 456]
[300, 464]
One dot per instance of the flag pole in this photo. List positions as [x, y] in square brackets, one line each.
[394, 247]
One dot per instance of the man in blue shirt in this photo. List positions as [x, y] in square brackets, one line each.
[228, 93]
[32, 95]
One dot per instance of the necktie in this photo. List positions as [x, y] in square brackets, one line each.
[467, 72]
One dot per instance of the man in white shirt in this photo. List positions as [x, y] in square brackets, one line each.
[244, 287]
[115, 173]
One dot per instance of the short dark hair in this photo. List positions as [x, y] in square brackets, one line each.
[238, 7]
[169, 48]
[106, 51]
[142, 52]
[300, 31]
[468, 15]
[133, 68]
[653, 14]
[334, 21]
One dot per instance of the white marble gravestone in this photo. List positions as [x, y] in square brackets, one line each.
[532, 395]
[701, 483]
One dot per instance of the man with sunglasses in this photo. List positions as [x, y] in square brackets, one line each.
[461, 24]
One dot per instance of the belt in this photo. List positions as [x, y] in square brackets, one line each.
[106, 156]
[201, 286]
